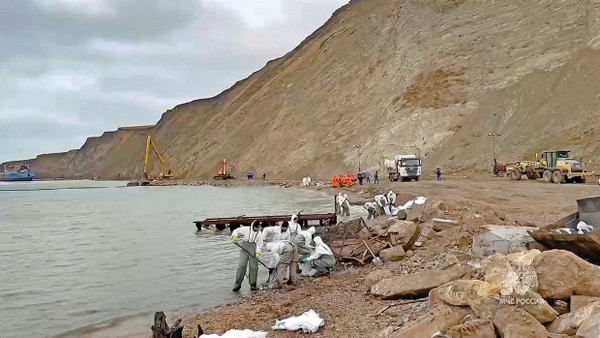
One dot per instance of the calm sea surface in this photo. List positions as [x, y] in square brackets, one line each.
[83, 256]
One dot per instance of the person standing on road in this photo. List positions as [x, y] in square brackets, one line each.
[376, 178]
[249, 239]
[264, 175]
[438, 173]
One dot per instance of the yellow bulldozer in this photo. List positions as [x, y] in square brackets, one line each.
[554, 166]
[164, 173]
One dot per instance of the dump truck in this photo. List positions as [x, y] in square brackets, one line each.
[404, 168]
[554, 166]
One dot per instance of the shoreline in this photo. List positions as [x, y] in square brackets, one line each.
[342, 298]
[331, 295]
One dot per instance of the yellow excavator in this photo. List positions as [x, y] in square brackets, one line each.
[163, 175]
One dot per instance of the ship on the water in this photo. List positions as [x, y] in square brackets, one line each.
[23, 174]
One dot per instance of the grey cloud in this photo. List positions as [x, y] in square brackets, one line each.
[67, 74]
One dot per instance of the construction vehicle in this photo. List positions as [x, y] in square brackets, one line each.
[554, 166]
[224, 173]
[150, 144]
[404, 168]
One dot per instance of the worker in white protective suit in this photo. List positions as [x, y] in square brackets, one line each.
[345, 205]
[249, 240]
[339, 201]
[284, 254]
[321, 259]
[276, 233]
[308, 181]
[304, 181]
[381, 202]
[273, 234]
[294, 225]
[391, 197]
[370, 207]
[303, 241]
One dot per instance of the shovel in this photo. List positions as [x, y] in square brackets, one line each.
[376, 260]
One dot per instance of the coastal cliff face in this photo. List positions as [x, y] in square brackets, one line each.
[392, 76]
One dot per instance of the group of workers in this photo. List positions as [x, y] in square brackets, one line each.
[383, 205]
[282, 249]
[368, 176]
[306, 181]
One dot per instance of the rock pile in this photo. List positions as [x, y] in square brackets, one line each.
[516, 293]
[520, 295]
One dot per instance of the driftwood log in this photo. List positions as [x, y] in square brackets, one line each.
[161, 329]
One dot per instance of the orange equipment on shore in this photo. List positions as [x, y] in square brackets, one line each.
[223, 173]
[343, 181]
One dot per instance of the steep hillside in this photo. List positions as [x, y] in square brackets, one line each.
[390, 75]
[113, 155]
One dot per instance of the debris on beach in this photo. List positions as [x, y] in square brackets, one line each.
[308, 322]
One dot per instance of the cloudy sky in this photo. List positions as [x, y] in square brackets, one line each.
[70, 69]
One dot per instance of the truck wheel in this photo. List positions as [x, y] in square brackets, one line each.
[515, 175]
[532, 175]
[417, 178]
[547, 176]
[557, 177]
[580, 179]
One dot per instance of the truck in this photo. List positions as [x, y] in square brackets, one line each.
[554, 166]
[404, 168]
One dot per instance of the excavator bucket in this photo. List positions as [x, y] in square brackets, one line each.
[589, 210]
[585, 245]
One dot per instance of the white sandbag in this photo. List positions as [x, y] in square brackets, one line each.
[308, 322]
[420, 200]
[238, 334]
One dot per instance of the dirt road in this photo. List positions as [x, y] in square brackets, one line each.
[524, 201]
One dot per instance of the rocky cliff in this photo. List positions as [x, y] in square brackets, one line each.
[390, 75]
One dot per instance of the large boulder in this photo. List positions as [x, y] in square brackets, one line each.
[481, 297]
[466, 292]
[376, 276]
[432, 210]
[478, 328]
[501, 239]
[537, 306]
[514, 322]
[418, 284]
[578, 302]
[517, 280]
[569, 323]
[438, 320]
[413, 213]
[379, 225]
[404, 233]
[561, 274]
[395, 253]
[590, 328]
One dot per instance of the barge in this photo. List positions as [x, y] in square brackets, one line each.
[232, 223]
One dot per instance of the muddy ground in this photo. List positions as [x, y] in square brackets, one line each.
[341, 298]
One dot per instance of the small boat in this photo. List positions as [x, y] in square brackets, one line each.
[564, 234]
[23, 174]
